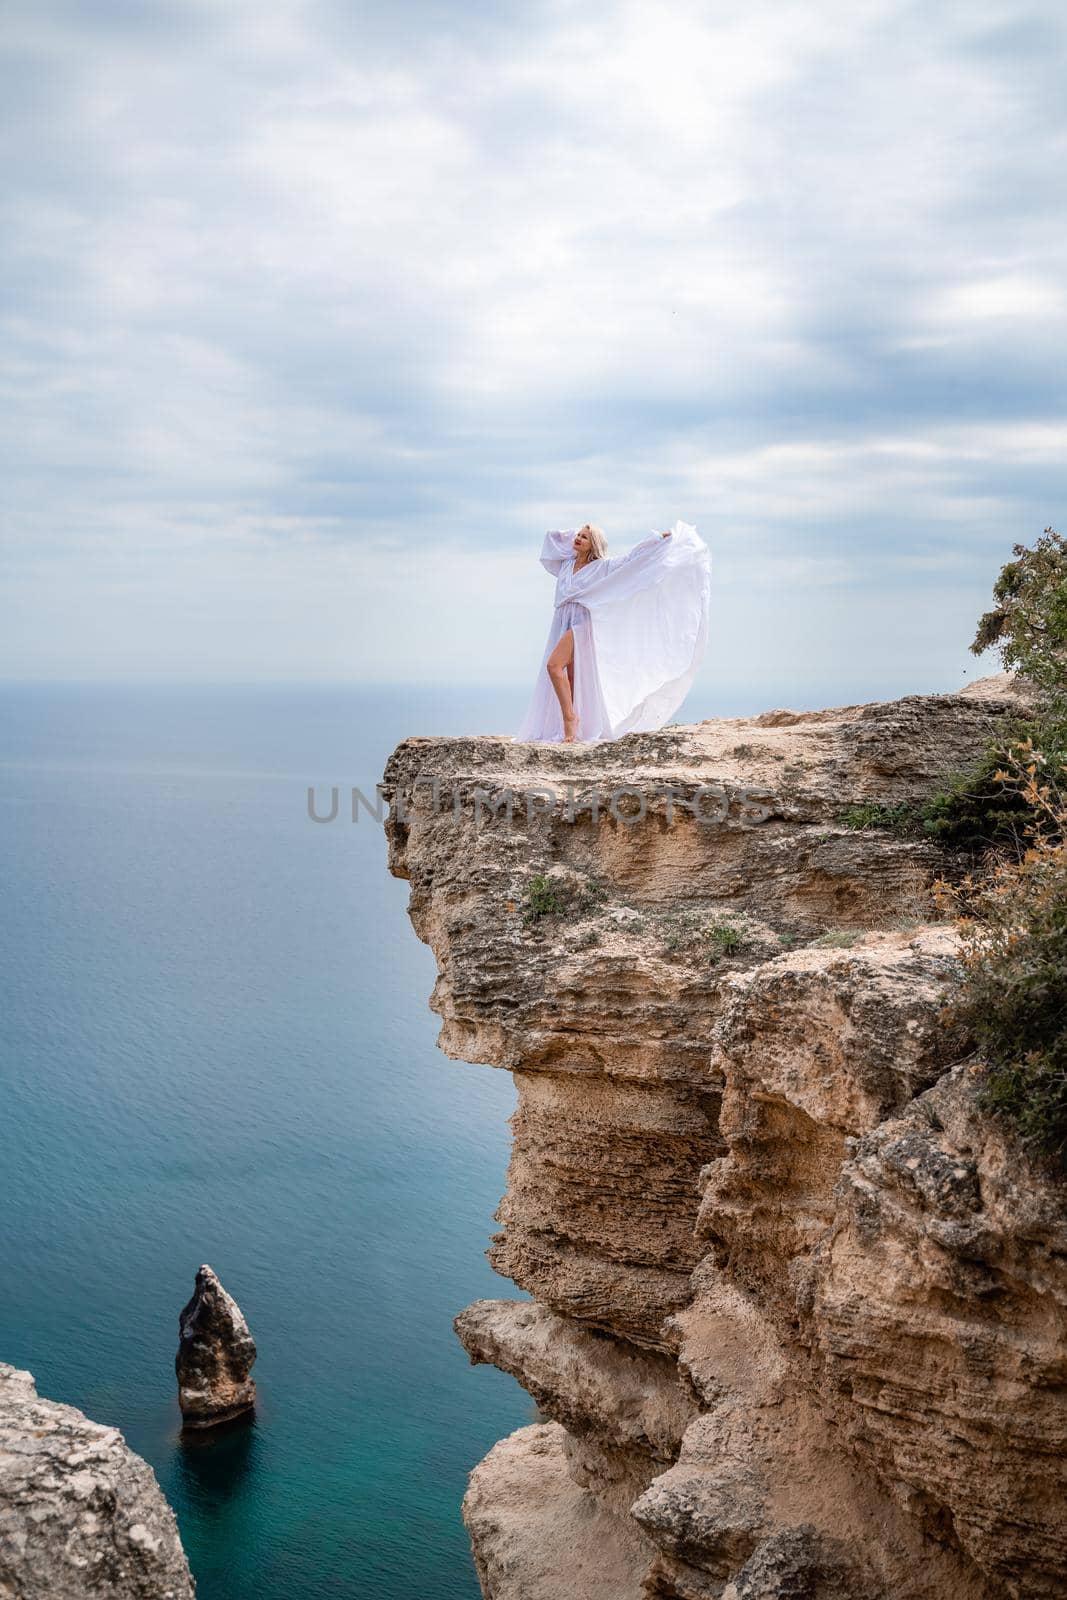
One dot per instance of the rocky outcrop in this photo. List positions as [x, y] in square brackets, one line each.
[215, 1356]
[537, 1534]
[798, 1309]
[80, 1515]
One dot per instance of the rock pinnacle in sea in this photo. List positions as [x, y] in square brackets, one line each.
[216, 1353]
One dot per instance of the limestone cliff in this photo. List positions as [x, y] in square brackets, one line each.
[798, 1310]
[80, 1515]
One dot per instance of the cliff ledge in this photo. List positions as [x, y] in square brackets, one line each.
[798, 1310]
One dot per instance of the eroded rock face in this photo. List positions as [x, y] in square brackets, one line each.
[80, 1515]
[215, 1356]
[816, 1048]
[625, 1399]
[938, 1315]
[798, 1310]
[537, 1534]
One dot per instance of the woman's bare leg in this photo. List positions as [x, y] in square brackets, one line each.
[560, 668]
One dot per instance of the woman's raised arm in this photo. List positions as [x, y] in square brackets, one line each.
[642, 551]
[557, 548]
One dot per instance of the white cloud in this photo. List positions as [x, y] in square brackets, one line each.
[1012, 295]
[318, 313]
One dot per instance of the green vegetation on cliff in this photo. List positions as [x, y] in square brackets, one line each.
[1013, 915]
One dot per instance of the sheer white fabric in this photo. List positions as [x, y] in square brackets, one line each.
[640, 624]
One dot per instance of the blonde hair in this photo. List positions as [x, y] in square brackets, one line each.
[598, 544]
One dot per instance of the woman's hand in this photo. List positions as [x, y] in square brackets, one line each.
[667, 534]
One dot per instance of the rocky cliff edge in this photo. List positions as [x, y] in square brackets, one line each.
[797, 1309]
[80, 1514]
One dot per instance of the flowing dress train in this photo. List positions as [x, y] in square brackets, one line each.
[640, 624]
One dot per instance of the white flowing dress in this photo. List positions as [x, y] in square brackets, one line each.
[640, 624]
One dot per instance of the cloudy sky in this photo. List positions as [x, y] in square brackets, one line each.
[317, 313]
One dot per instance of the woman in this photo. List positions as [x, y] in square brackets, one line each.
[627, 634]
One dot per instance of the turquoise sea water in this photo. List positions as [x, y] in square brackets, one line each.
[215, 1046]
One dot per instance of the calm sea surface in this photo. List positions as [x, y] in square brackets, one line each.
[215, 1046]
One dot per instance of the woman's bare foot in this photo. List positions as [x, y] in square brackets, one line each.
[570, 728]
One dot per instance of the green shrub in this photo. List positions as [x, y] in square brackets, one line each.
[542, 898]
[1028, 623]
[545, 896]
[903, 819]
[1028, 626]
[690, 930]
[723, 940]
[976, 811]
[1013, 999]
[1012, 916]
